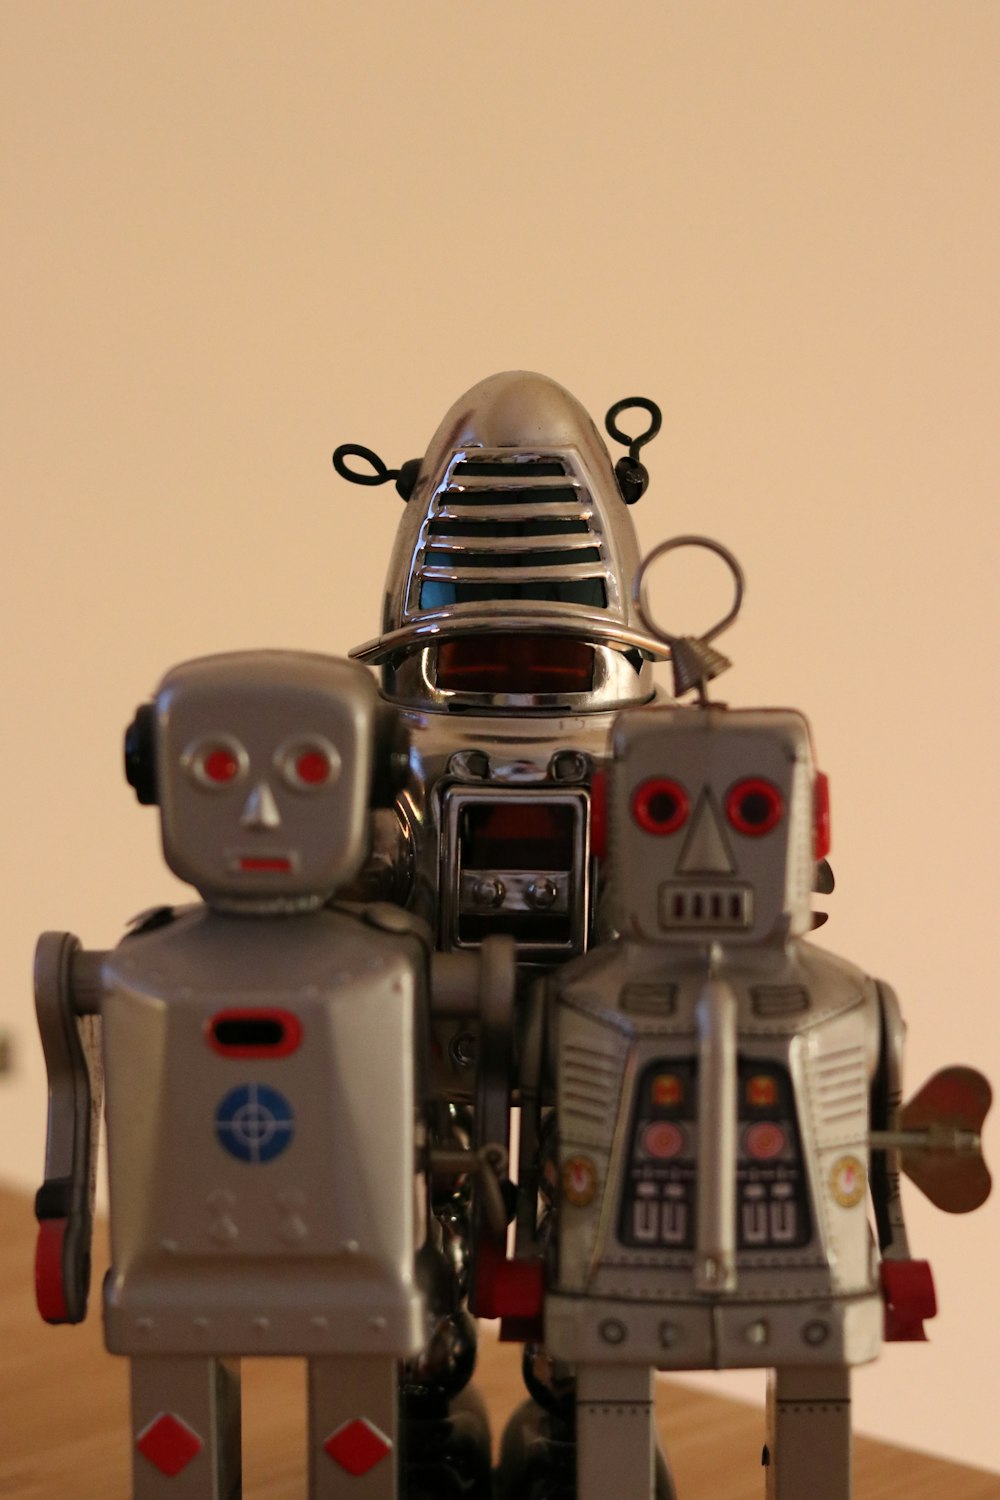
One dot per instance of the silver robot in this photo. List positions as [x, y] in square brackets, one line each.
[726, 1096]
[509, 641]
[259, 1204]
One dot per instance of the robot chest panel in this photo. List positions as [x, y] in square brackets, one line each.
[515, 860]
[235, 1123]
[659, 1196]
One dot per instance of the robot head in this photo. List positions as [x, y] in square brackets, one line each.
[715, 820]
[262, 764]
[509, 583]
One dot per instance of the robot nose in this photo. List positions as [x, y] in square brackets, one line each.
[261, 810]
[705, 852]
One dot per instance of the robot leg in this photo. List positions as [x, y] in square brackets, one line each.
[354, 1427]
[808, 1448]
[186, 1425]
[615, 1432]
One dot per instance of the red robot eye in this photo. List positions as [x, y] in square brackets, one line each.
[220, 765]
[308, 765]
[754, 807]
[215, 762]
[312, 767]
[660, 806]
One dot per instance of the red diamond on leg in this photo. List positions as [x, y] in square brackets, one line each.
[357, 1446]
[169, 1444]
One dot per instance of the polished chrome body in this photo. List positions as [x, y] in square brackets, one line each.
[516, 522]
[459, 763]
[516, 497]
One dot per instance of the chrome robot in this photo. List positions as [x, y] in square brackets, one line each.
[260, 1204]
[509, 641]
[727, 1103]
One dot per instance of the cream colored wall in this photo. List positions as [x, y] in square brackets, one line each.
[241, 234]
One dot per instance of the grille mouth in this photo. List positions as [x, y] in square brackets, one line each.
[513, 529]
[705, 908]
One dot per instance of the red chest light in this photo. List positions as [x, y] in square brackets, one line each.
[254, 1032]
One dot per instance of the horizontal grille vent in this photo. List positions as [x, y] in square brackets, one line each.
[439, 558]
[840, 1087]
[497, 527]
[779, 999]
[520, 494]
[507, 528]
[590, 1084]
[522, 468]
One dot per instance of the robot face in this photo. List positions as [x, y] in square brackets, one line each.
[516, 528]
[713, 833]
[264, 769]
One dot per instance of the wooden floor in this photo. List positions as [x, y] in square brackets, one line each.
[63, 1408]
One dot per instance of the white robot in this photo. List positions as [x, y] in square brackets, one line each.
[726, 1094]
[260, 1204]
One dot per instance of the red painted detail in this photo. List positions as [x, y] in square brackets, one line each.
[660, 805]
[908, 1293]
[50, 1289]
[497, 663]
[765, 1140]
[258, 1032]
[754, 807]
[169, 1444]
[219, 764]
[506, 1288]
[522, 1330]
[274, 863]
[662, 1140]
[821, 816]
[358, 1446]
[312, 767]
[599, 814]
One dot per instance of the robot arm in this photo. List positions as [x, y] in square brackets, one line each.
[936, 1140]
[67, 1002]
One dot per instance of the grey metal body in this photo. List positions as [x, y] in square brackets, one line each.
[628, 1007]
[310, 1251]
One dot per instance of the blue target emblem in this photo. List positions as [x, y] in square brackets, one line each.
[254, 1123]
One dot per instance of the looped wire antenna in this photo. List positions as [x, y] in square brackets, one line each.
[694, 660]
[405, 477]
[633, 444]
[630, 472]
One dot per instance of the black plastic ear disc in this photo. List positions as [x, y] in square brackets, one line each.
[140, 755]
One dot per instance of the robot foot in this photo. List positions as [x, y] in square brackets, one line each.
[537, 1456]
[447, 1450]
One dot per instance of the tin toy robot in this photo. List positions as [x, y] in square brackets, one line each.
[509, 641]
[259, 1204]
[726, 1094]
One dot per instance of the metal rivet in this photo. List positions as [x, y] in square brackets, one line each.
[756, 1333]
[488, 892]
[612, 1331]
[569, 765]
[542, 892]
[816, 1332]
[669, 1335]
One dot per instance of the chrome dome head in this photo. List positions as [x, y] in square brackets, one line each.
[515, 528]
